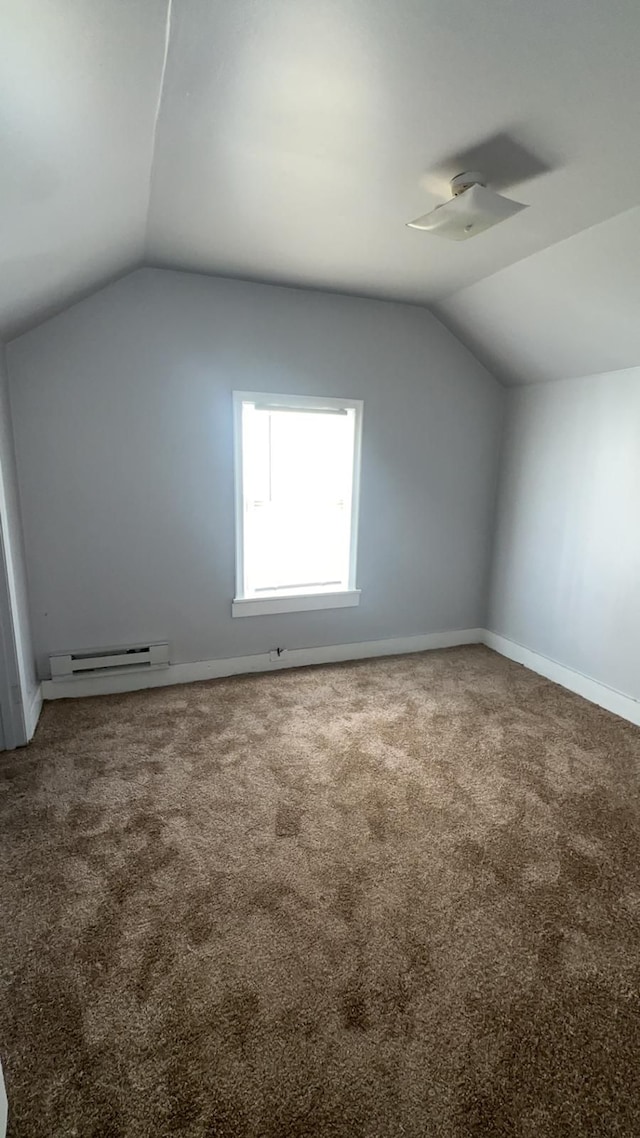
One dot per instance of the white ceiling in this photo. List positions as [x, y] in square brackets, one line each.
[79, 82]
[568, 311]
[295, 138]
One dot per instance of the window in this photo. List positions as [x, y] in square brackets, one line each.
[297, 473]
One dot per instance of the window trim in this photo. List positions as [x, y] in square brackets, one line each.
[283, 602]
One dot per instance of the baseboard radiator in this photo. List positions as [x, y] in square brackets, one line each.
[109, 661]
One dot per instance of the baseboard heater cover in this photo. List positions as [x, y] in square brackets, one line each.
[109, 661]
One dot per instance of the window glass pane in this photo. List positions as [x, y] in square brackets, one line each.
[297, 474]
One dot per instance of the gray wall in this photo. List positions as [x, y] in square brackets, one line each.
[566, 572]
[16, 582]
[122, 416]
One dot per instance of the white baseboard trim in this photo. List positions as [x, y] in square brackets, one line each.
[588, 688]
[609, 698]
[32, 712]
[239, 665]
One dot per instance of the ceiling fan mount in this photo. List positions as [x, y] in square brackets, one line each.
[463, 182]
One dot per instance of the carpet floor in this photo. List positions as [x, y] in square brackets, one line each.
[390, 899]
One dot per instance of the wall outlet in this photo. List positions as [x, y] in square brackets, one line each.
[276, 654]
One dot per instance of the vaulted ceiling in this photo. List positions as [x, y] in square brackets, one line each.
[291, 140]
[79, 86]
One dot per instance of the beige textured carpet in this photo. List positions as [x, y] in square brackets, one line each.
[391, 898]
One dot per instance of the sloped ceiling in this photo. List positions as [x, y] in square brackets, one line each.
[568, 311]
[291, 141]
[79, 84]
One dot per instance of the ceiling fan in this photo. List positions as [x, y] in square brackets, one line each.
[472, 209]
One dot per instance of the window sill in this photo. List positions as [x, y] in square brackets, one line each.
[265, 606]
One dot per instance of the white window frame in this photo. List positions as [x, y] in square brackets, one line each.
[325, 599]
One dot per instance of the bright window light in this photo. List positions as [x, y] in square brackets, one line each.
[297, 474]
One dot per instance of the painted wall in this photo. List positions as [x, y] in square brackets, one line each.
[3, 1106]
[566, 571]
[123, 426]
[18, 647]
